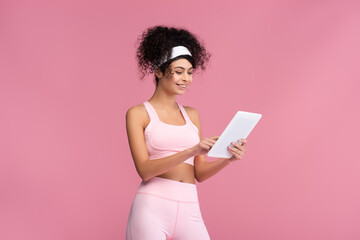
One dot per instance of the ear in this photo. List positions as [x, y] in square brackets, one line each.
[158, 73]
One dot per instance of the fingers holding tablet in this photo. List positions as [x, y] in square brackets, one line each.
[204, 145]
[210, 141]
[239, 144]
[242, 141]
[236, 154]
[213, 140]
[237, 149]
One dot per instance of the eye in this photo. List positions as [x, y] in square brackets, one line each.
[179, 72]
[190, 73]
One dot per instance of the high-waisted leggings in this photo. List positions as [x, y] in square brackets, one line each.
[166, 209]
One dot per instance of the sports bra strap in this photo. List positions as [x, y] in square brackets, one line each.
[151, 111]
[187, 119]
[153, 115]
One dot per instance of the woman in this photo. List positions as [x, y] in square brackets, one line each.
[166, 143]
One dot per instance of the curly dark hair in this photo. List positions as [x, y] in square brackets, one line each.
[157, 42]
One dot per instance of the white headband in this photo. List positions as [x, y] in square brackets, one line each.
[177, 51]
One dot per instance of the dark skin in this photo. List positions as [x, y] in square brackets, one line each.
[163, 100]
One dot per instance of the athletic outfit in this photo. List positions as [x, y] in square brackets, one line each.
[165, 209]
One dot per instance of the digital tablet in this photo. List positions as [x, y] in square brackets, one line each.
[239, 128]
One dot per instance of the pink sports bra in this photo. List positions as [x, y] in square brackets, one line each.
[164, 139]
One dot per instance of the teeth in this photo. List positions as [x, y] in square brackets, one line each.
[182, 85]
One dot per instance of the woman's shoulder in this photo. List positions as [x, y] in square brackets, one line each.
[136, 109]
[193, 114]
[191, 110]
[137, 113]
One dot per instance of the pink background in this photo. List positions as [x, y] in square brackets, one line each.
[68, 74]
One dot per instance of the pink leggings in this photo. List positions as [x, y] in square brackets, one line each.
[166, 209]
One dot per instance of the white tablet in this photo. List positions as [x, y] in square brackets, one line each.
[239, 128]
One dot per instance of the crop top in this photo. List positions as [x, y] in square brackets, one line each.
[164, 139]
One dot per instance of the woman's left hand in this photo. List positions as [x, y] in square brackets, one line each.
[237, 149]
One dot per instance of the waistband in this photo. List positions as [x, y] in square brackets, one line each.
[169, 189]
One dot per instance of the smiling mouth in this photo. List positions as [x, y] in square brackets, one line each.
[182, 85]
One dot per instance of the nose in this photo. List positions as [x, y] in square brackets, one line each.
[187, 77]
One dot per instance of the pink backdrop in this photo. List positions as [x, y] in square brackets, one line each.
[68, 74]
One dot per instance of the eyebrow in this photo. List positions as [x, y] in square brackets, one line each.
[182, 67]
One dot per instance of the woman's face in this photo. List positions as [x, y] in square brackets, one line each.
[178, 80]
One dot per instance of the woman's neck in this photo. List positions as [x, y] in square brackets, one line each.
[161, 99]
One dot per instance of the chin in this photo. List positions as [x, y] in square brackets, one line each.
[180, 92]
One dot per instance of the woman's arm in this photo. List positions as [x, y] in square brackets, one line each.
[205, 169]
[148, 168]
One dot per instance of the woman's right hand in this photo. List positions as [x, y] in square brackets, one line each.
[204, 145]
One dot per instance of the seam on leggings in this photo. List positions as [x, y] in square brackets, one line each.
[166, 197]
[131, 220]
[176, 219]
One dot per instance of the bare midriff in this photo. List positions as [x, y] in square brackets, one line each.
[183, 172]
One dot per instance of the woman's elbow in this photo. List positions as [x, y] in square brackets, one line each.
[144, 175]
[199, 178]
